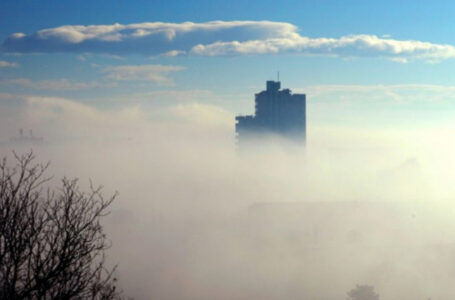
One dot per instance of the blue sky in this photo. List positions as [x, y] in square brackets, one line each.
[353, 55]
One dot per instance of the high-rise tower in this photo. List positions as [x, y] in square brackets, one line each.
[278, 112]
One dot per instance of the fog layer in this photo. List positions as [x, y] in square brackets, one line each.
[196, 219]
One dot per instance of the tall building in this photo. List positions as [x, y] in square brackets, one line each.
[277, 112]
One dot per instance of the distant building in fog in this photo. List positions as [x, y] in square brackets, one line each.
[277, 112]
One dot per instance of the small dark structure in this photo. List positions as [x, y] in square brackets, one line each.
[22, 138]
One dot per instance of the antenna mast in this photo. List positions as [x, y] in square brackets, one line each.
[278, 75]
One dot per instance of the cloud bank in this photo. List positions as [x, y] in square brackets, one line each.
[196, 220]
[218, 38]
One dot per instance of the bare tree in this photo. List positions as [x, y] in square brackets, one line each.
[52, 244]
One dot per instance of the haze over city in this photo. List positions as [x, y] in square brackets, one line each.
[142, 98]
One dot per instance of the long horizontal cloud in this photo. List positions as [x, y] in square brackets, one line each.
[53, 85]
[148, 38]
[7, 64]
[348, 46]
[154, 73]
[437, 96]
[217, 38]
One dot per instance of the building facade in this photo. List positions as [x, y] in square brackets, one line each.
[277, 112]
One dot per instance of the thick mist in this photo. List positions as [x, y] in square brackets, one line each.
[196, 219]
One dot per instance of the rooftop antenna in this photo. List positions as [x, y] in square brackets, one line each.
[278, 75]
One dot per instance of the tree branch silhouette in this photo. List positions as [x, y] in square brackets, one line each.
[52, 244]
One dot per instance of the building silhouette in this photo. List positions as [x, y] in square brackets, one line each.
[277, 112]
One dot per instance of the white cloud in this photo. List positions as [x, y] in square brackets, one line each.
[153, 73]
[348, 46]
[174, 53]
[401, 94]
[219, 38]
[378, 87]
[176, 95]
[54, 85]
[81, 57]
[402, 60]
[7, 64]
[151, 38]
